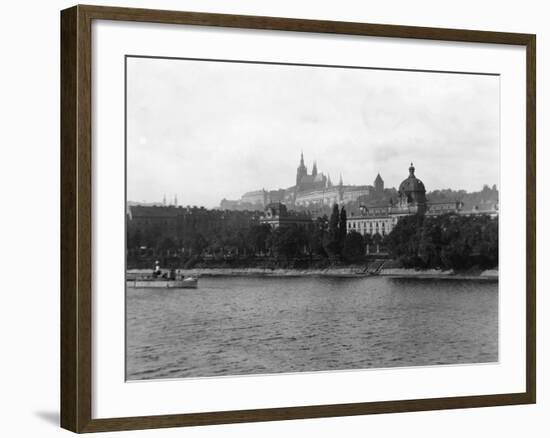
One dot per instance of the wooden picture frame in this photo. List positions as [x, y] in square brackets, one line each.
[76, 218]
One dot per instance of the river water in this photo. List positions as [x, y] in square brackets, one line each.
[245, 325]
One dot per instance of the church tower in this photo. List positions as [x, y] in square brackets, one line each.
[379, 184]
[314, 170]
[341, 189]
[301, 171]
[412, 194]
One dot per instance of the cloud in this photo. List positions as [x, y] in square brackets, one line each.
[213, 130]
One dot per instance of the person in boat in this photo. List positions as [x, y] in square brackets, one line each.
[157, 272]
[172, 274]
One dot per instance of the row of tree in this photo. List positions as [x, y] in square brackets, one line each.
[326, 237]
[446, 242]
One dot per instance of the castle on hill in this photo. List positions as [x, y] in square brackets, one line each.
[374, 216]
[310, 189]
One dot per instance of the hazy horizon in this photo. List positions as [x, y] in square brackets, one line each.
[205, 131]
[170, 197]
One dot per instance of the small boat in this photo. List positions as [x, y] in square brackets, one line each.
[163, 283]
[160, 280]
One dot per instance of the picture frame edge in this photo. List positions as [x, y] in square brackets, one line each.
[76, 196]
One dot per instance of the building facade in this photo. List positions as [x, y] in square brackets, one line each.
[411, 199]
[315, 189]
[276, 215]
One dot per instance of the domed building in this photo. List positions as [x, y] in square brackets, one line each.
[411, 199]
[411, 195]
[382, 218]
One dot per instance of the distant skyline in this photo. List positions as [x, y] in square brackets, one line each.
[210, 130]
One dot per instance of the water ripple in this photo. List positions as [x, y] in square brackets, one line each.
[232, 326]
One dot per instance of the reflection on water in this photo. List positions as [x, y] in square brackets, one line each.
[231, 326]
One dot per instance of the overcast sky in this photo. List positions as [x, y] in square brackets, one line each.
[212, 130]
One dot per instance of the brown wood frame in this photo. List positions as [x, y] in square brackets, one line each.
[76, 173]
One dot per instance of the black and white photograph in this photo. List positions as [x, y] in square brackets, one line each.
[275, 219]
[288, 218]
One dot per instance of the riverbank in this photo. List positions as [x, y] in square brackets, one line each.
[356, 271]
[346, 272]
[490, 274]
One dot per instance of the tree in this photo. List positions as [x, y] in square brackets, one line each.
[448, 242]
[354, 246]
[152, 236]
[429, 245]
[316, 236]
[484, 242]
[334, 221]
[367, 240]
[257, 238]
[455, 250]
[489, 250]
[198, 244]
[217, 244]
[288, 242]
[342, 225]
[167, 245]
[133, 239]
[332, 243]
[403, 241]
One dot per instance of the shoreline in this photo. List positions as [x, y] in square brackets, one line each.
[347, 272]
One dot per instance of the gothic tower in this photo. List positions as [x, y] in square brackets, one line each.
[341, 189]
[379, 184]
[301, 171]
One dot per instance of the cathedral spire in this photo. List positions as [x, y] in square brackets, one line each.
[301, 171]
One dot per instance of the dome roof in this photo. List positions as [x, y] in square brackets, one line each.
[412, 183]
